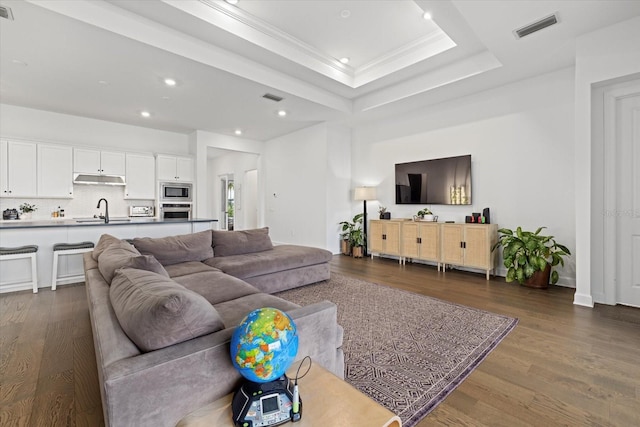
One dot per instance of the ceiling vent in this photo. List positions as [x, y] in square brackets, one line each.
[6, 13]
[272, 97]
[536, 26]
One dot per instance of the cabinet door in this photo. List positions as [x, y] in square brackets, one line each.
[21, 171]
[410, 243]
[166, 168]
[375, 237]
[55, 171]
[184, 169]
[429, 242]
[452, 238]
[112, 163]
[86, 161]
[140, 177]
[477, 246]
[392, 237]
[4, 163]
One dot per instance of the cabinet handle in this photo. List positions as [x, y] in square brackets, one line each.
[384, 237]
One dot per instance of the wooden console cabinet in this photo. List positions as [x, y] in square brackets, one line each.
[421, 240]
[384, 237]
[469, 245]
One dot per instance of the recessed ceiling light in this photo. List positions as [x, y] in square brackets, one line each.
[103, 82]
[169, 82]
[427, 16]
[165, 98]
[238, 132]
[145, 114]
[345, 13]
[344, 60]
[18, 62]
[282, 113]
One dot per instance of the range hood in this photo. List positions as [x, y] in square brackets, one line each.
[90, 179]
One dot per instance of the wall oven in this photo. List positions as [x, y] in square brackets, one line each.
[176, 192]
[175, 211]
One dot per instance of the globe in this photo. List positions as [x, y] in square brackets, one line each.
[264, 345]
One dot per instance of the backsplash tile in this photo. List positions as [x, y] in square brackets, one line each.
[83, 204]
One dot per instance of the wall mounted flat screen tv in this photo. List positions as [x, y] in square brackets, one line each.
[445, 181]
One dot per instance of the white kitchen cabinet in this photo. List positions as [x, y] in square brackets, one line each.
[90, 161]
[55, 171]
[171, 168]
[140, 177]
[18, 164]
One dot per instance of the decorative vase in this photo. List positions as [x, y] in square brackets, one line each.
[26, 216]
[357, 252]
[540, 279]
[345, 247]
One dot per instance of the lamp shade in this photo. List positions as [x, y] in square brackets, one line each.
[365, 193]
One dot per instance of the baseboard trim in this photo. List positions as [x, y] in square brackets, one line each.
[583, 300]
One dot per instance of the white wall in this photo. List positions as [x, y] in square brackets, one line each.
[520, 137]
[607, 54]
[307, 185]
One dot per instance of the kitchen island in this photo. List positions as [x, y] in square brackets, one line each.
[46, 233]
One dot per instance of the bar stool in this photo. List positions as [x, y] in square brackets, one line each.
[67, 249]
[20, 252]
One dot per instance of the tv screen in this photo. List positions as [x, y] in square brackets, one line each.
[445, 181]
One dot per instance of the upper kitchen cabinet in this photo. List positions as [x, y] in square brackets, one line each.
[171, 168]
[18, 169]
[98, 162]
[140, 178]
[55, 171]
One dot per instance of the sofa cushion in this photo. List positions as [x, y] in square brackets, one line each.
[233, 311]
[280, 258]
[115, 256]
[103, 243]
[177, 249]
[216, 286]
[156, 312]
[227, 243]
[186, 268]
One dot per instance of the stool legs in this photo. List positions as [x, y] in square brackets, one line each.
[34, 273]
[54, 276]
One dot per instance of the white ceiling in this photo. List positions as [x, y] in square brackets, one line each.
[108, 59]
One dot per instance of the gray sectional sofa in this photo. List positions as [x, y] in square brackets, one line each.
[163, 312]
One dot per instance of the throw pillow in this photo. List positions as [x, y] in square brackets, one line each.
[103, 243]
[116, 256]
[176, 249]
[226, 243]
[156, 312]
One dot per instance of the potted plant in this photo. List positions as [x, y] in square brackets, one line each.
[383, 213]
[27, 210]
[351, 233]
[424, 214]
[530, 256]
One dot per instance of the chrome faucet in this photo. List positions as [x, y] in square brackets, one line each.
[106, 209]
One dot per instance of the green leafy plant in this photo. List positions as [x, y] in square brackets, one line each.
[525, 252]
[352, 230]
[27, 207]
[422, 212]
[382, 210]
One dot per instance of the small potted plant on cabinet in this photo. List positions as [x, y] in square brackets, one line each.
[27, 210]
[352, 236]
[530, 256]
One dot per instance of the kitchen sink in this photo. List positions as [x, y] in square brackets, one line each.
[101, 220]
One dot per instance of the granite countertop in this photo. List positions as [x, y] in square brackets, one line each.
[88, 222]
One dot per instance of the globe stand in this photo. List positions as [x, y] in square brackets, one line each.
[265, 404]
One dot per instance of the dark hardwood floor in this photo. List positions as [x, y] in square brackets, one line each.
[562, 365]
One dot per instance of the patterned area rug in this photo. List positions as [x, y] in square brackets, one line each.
[405, 350]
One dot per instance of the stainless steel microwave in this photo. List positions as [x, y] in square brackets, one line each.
[176, 192]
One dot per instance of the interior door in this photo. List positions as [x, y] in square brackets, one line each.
[628, 200]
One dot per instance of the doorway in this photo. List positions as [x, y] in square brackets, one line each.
[227, 202]
[622, 194]
[250, 199]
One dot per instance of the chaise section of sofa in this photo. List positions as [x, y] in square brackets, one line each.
[161, 386]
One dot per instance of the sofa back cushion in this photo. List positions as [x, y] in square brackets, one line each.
[156, 312]
[227, 243]
[176, 249]
[104, 242]
[115, 256]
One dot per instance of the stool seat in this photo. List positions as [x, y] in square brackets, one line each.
[20, 252]
[67, 249]
[71, 246]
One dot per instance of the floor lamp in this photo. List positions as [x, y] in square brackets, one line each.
[364, 194]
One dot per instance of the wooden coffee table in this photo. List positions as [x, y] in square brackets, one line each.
[327, 401]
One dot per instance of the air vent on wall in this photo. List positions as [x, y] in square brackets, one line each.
[272, 97]
[536, 26]
[6, 13]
